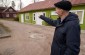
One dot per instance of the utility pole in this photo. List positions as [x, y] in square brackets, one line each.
[13, 4]
[6, 3]
[20, 4]
[36, 1]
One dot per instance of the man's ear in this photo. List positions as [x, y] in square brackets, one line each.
[61, 11]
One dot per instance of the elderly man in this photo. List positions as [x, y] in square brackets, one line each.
[66, 39]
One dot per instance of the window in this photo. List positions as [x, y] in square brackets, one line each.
[14, 15]
[80, 14]
[33, 16]
[26, 16]
[73, 11]
[7, 15]
[10, 10]
[54, 13]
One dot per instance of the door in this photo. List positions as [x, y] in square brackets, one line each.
[22, 18]
[38, 20]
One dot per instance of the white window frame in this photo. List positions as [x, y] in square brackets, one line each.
[33, 16]
[53, 13]
[26, 14]
[82, 19]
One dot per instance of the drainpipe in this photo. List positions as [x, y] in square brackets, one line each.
[34, 1]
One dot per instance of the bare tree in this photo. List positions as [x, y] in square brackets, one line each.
[5, 2]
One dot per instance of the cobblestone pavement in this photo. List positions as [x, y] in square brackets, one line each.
[27, 39]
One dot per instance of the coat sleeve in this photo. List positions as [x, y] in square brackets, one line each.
[73, 40]
[49, 21]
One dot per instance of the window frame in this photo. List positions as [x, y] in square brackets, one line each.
[53, 13]
[26, 15]
[33, 17]
[82, 18]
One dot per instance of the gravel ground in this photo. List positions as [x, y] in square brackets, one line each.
[27, 39]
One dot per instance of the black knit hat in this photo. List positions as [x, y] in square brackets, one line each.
[65, 5]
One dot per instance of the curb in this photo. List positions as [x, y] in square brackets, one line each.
[4, 35]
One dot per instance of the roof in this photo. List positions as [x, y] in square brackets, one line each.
[77, 2]
[47, 5]
[2, 9]
[9, 8]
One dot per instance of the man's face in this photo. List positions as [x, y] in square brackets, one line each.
[59, 11]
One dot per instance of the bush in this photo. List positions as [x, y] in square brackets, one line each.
[16, 19]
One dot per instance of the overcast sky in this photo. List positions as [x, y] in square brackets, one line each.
[17, 3]
[24, 2]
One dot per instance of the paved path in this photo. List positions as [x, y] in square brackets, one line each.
[29, 39]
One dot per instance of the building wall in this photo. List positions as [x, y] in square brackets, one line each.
[48, 14]
[81, 7]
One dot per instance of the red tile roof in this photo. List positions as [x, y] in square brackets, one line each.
[77, 2]
[47, 5]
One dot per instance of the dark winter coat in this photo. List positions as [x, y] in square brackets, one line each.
[66, 40]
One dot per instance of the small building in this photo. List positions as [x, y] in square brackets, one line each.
[8, 12]
[31, 13]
